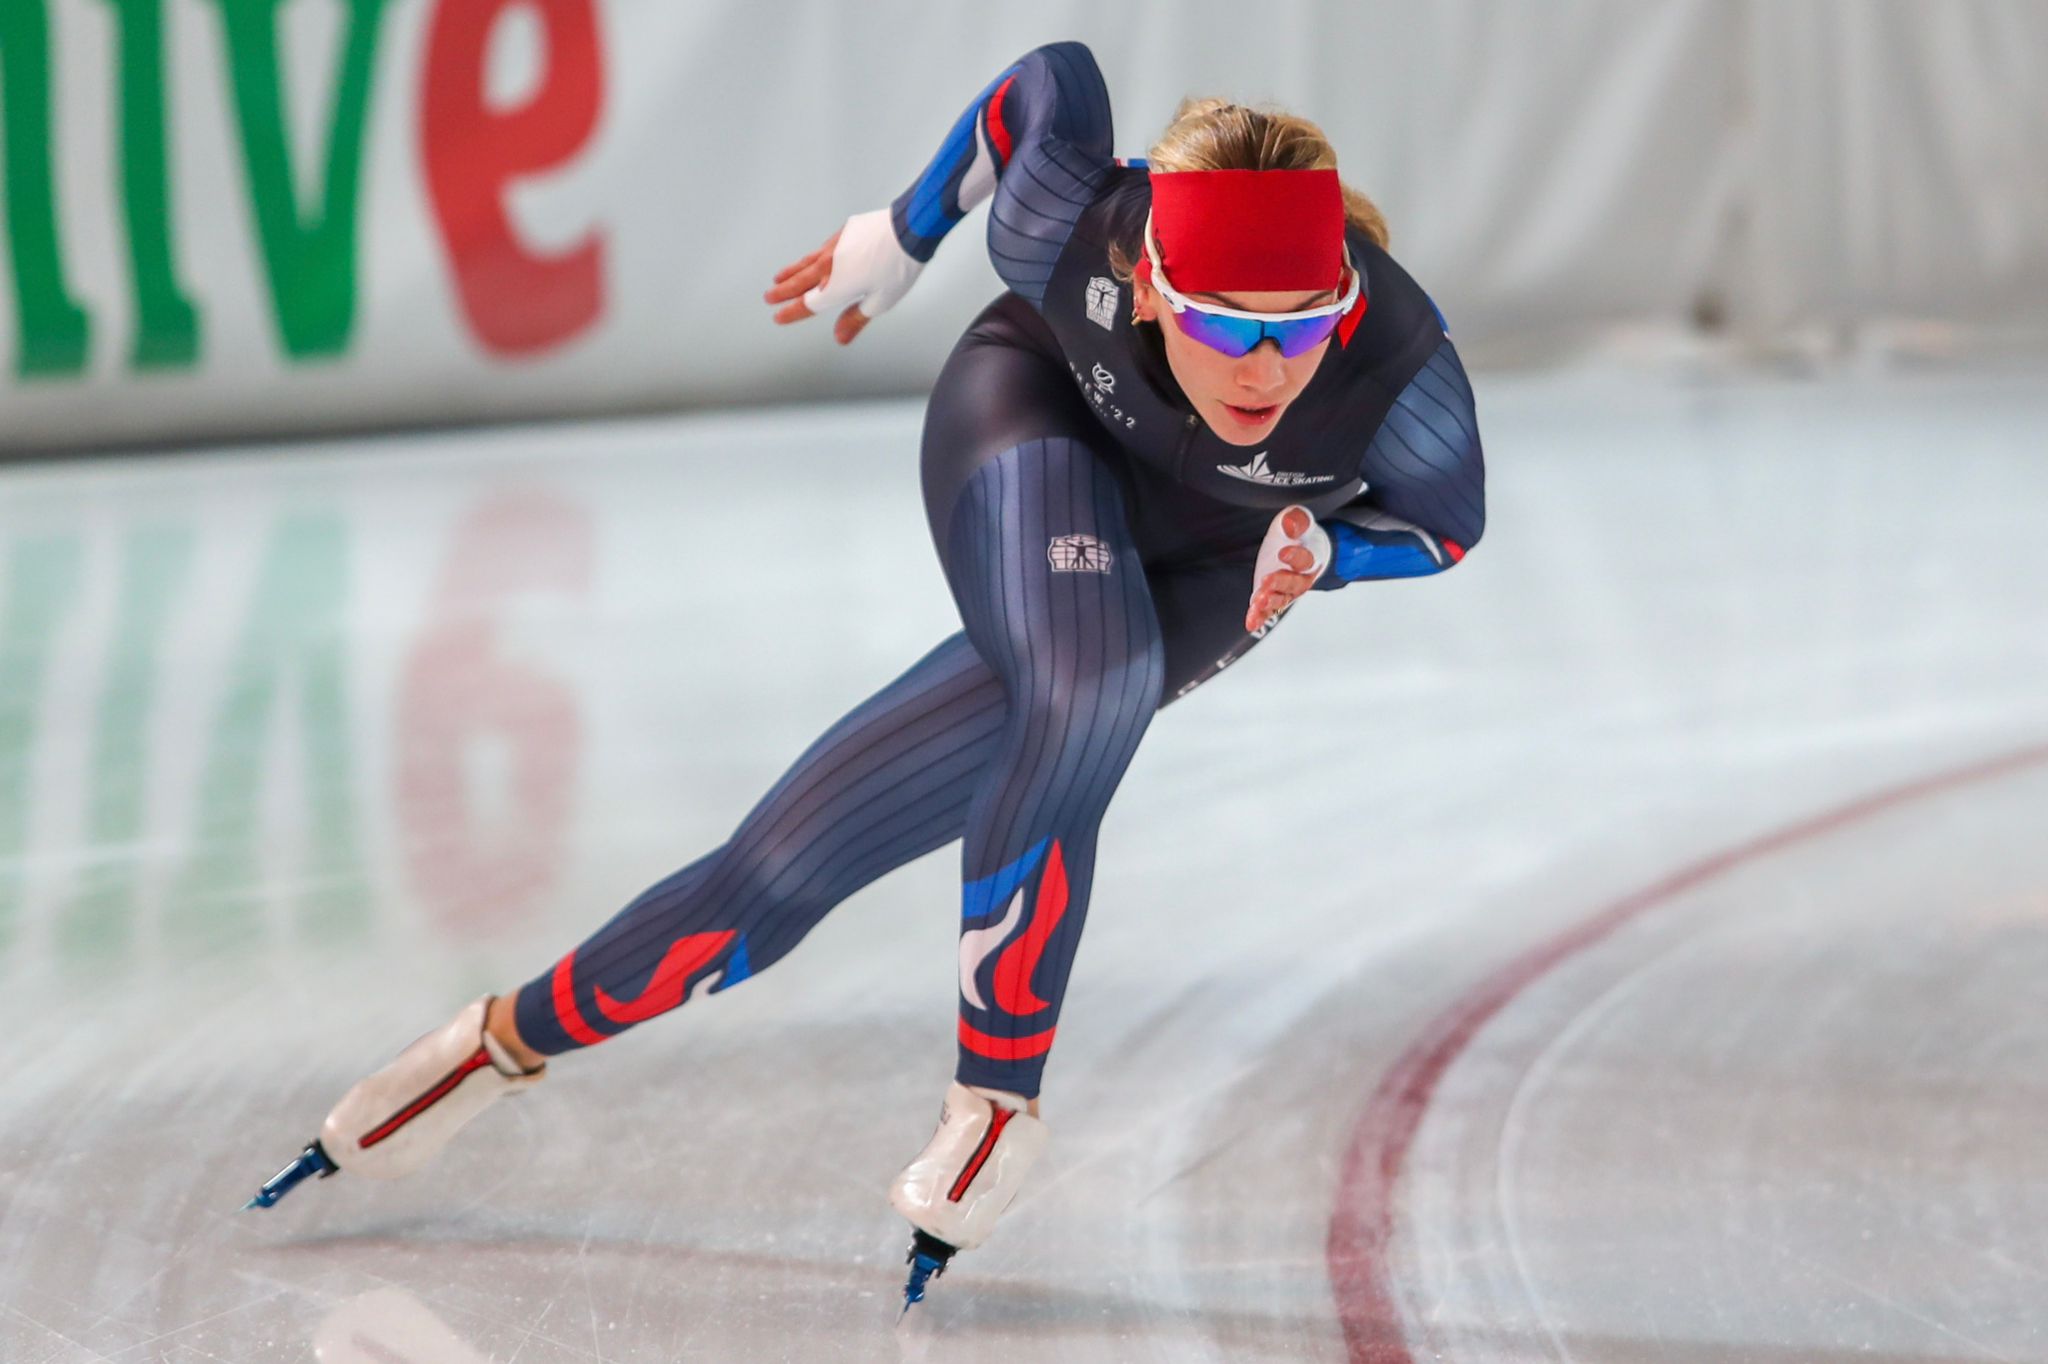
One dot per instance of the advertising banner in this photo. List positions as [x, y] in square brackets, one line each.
[233, 217]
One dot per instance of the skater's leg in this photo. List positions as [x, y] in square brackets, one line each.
[888, 783]
[1048, 582]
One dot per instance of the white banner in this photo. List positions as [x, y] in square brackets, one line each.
[240, 216]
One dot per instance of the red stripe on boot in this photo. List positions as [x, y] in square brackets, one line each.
[427, 1100]
[981, 1153]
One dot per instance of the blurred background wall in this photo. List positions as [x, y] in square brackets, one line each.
[235, 217]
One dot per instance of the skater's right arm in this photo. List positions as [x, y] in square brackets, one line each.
[1037, 138]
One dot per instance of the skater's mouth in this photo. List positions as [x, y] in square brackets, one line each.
[1252, 416]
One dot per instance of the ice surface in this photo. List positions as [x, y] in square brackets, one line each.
[300, 748]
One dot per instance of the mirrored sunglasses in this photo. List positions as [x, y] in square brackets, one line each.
[1235, 332]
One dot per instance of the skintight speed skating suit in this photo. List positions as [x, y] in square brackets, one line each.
[1099, 541]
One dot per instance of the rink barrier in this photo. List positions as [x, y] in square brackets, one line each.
[241, 217]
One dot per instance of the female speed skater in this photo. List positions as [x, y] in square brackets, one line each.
[1206, 390]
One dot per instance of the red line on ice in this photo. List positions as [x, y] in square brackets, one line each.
[1362, 1223]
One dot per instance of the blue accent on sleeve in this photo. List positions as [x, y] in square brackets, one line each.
[1056, 115]
[1357, 553]
[933, 209]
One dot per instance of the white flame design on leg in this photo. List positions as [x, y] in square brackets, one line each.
[976, 945]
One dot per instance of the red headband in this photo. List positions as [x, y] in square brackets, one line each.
[1237, 230]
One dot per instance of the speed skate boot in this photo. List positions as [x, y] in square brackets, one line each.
[964, 1178]
[393, 1122]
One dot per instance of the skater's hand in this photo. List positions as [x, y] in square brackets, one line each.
[861, 266]
[812, 271]
[1294, 556]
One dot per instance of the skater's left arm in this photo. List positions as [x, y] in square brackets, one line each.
[1425, 476]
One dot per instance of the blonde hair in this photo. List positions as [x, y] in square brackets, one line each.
[1214, 134]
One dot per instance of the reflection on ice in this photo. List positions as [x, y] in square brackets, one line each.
[389, 1326]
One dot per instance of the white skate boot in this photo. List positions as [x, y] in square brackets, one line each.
[393, 1122]
[965, 1177]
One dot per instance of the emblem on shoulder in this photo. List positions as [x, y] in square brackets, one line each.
[1103, 296]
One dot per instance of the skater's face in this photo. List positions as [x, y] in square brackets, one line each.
[1241, 398]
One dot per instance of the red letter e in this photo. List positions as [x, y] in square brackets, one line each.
[517, 302]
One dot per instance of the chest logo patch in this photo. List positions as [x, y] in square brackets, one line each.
[1102, 301]
[1257, 471]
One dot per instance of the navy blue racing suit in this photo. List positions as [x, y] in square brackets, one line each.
[1099, 541]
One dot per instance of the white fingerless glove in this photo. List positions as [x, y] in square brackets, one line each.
[869, 267]
[1315, 540]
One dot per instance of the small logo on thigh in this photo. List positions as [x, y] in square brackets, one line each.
[1078, 554]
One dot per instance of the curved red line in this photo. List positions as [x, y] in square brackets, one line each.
[998, 130]
[671, 979]
[1362, 1223]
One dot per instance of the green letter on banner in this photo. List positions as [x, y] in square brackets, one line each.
[311, 257]
[166, 327]
[42, 581]
[52, 326]
[294, 629]
[99, 923]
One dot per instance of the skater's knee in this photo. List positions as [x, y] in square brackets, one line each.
[785, 872]
[1075, 695]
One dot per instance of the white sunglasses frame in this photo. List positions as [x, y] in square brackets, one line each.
[1181, 303]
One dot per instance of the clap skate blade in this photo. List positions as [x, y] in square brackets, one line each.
[311, 1161]
[928, 1259]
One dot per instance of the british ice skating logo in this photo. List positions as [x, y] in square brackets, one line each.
[1078, 554]
[1259, 472]
[1102, 301]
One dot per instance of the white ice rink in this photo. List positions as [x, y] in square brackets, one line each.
[1632, 946]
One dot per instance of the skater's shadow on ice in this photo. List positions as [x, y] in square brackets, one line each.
[964, 1304]
[1018, 1307]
